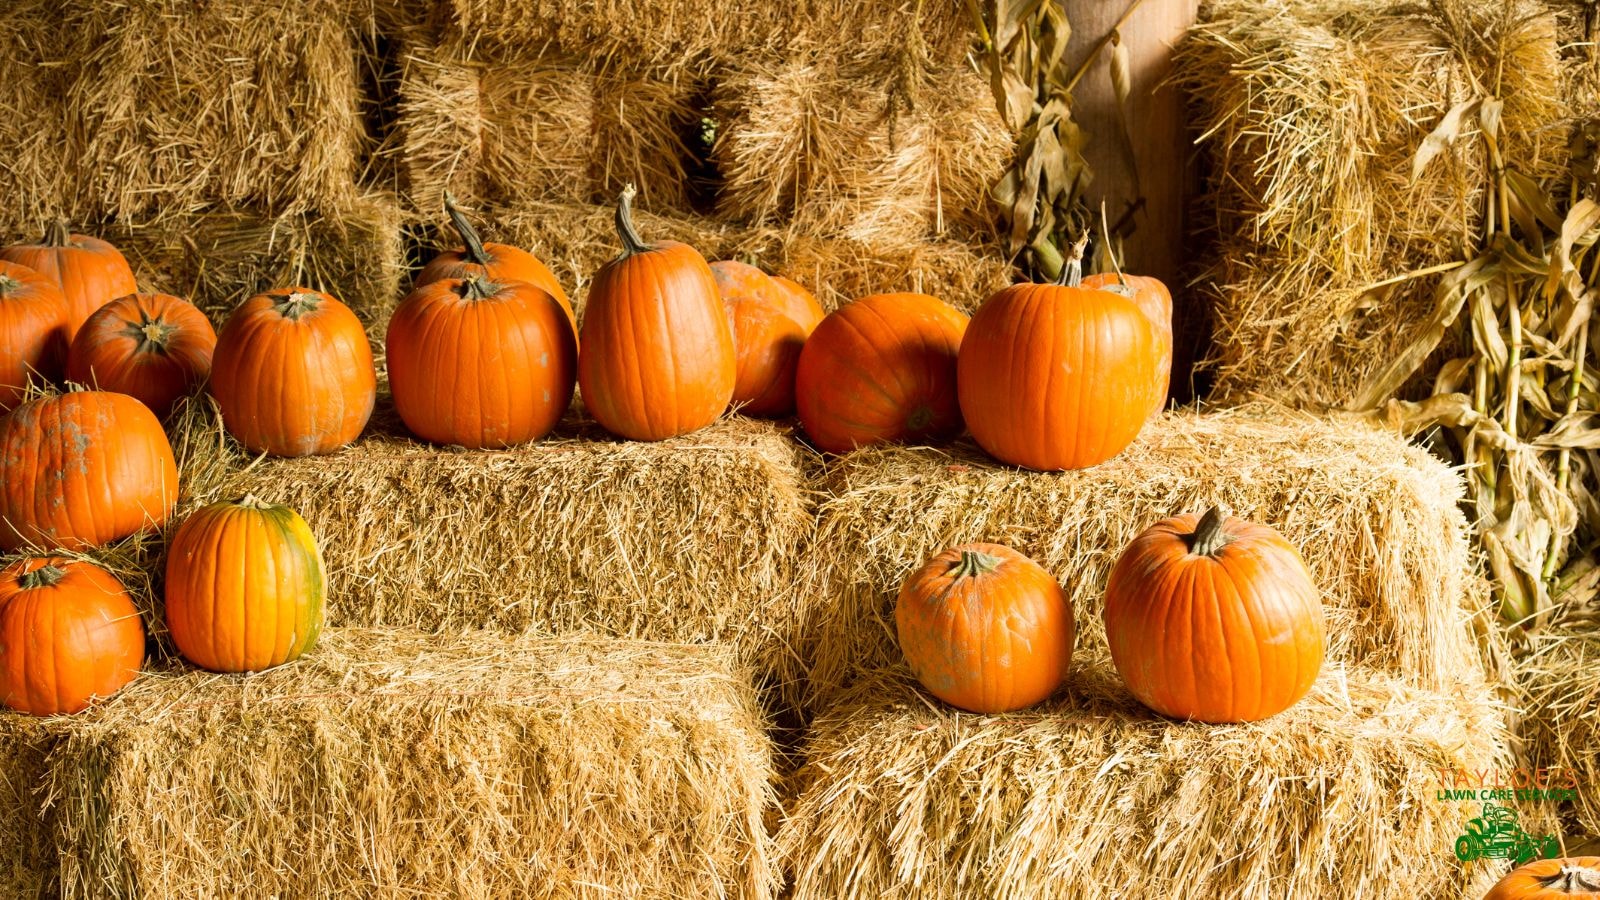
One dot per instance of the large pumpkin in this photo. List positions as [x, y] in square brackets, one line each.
[69, 633]
[81, 469]
[245, 586]
[33, 331]
[771, 319]
[1155, 301]
[1551, 879]
[1058, 376]
[480, 363]
[496, 262]
[293, 373]
[154, 347]
[657, 357]
[985, 628]
[1214, 619]
[89, 271]
[881, 369]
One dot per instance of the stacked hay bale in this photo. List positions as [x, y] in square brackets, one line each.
[1314, 113]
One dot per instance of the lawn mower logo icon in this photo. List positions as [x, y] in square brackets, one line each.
[1498, 835]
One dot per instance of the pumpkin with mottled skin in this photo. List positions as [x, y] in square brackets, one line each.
[1155, 301]
[771, 318]
[90, 272]
[82, 469]
[1551, 879]
[245, 586]
[985, 628]
[1214, 619]
[154, 347]
[657, 358]
[69, 634]
[33, 331]
[881, 369]
[293, 374]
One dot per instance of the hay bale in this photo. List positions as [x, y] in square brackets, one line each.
[1558, 685]
[388, 763]
[27, 854]
[860, 151]
[1314, 112]
[34, 128]
[1091, 795]
[1377, 520]
[178, 107]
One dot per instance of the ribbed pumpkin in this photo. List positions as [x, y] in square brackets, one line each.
[771, 319]
[480, 363]
[657, 357]
[985, 628]
[1551, 879]
[293, 373]
[1214, 619]
[1155, 301]
[881, 369]
[89, 271]
[245, 586]
[1058, 376]
[496, 262]
[69, 633]
[154, 347]
[81, 469]
[33, 331]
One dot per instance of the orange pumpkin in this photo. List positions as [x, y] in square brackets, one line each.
[89, 271]
[496, 262]
[293, 373]
[657, 357]
[985, 628]
[1058, 376]
[1550, 879]
[881, 369]
[479, 363]
[33, 331]
[1155, 301]
[81, 469]
[1214, 619]
[154, 347]
[245, 586]
[771, 319]
[69, 633]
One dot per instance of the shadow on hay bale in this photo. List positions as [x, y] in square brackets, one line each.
[1093, 796]
[387, 763]
[1377, 520]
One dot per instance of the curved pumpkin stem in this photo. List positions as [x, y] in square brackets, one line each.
[1111, 249]
[974, 563]
[1072, 270]
[42, 577]
[632, 243]
[1209, 537]
[469, 235]
[58, 234]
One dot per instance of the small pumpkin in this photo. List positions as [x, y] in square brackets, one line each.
[89, 271]
[154, 347]
[771, 318]
[881, 369]
[245, 586]
[657, 358]
[33, 331]
[985, 628]
[1214, 619]
[69, 634]
[1155, 301]
[293, 373]
[81, 469]
[1550, 879]
[481, 363]
[496, 262]
[1058, 376]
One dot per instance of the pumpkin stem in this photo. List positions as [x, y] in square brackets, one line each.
[8, 284]
[469, 235]
[1111, 250]
[42, 577]
[152, 334]
[1209, 537]
[476, 287]
[1573, 880]
[58, 234]
[1072, 271]
[251, 501]
[974, 563]
[632, 243]
[295, 304]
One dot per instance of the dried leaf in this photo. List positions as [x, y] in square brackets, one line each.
[1122, 85]
[1575, 432]
[1442, 136]
[1448, 297]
